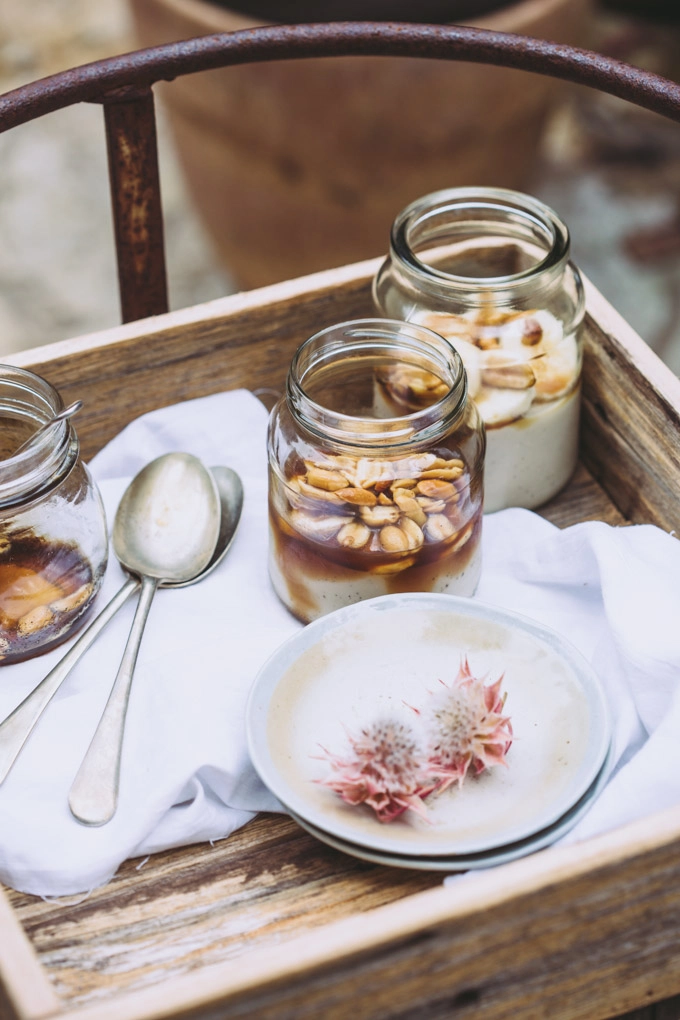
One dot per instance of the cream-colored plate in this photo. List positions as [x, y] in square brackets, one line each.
[379, 658]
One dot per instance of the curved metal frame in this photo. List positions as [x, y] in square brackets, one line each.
[123, 85]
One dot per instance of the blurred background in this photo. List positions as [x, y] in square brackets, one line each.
[271, 171]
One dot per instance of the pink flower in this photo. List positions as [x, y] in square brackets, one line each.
[468, 730]
[383, 771]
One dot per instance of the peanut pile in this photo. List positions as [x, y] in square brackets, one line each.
[388, 506]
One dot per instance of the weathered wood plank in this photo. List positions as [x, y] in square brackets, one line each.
[201, 905]
[571, 933]
[582, 500]
[25, 989]
[631, 419]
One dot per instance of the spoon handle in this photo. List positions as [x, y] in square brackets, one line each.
[17, 727]
[94, 794]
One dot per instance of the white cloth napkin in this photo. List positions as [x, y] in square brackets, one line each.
[185, 773]
[615, 594]
[186, 777]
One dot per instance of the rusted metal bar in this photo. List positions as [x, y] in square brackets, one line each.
[136, 202]
[123, 84]
[439, 42]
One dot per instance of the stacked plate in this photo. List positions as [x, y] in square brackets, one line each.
[386, 659]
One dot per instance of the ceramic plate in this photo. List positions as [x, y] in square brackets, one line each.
[472, 862]
[384, 658]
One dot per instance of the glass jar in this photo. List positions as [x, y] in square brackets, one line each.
[53, 535]
[366, 498]
[489, 269]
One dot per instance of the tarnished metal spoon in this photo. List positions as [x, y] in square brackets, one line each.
[17, 727]
[68, 412]
[166, 529]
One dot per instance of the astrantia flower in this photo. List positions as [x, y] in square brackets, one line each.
[383, 771]
[468, 730]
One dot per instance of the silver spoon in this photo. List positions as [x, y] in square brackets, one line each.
[18, 726]
[68, 412]
[166, 529]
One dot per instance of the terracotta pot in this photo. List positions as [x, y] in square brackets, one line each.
[302, 165]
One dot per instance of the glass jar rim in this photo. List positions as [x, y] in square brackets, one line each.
[43, 466]
[421, 426]
[514, 206]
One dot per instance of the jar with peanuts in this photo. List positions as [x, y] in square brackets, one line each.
[366, 498]
[489, 270]
[53, 534]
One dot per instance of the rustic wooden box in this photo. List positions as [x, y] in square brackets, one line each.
[270, 923]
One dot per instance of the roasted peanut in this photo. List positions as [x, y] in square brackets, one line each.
[519, 376]
[393, 539]
[532, 332]
[35, 620]
[438, 528]
[358, 497]
[322, 478]
[436, 489]
[450, 472]
[316, 527]
[354, 535]
[431, 506]
[70, 602]
[413, 532]
[315, 493]
[409, 505]
[379, 515]
[463, 537]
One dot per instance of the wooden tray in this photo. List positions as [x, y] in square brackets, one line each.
[266, 923]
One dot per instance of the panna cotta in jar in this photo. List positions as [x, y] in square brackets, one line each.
[364, 503]
[488, 270]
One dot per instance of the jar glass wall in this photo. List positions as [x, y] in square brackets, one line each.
[53, 535]
[489, 270]
[365, 497]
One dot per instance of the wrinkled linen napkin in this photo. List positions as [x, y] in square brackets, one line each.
[186, 777]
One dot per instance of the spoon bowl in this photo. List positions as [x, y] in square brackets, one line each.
[230, 491]
[167, 523]
[17, 727]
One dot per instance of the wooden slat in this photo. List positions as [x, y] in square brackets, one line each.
[268, 882]
[631, 419]
[25, 989]
[571, 933]
[583, 499]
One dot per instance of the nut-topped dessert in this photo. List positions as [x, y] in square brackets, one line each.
[53, 536]
[362, 503]
[488, 270]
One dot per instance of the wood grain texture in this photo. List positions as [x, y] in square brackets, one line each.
[206, 904]
[571, 933]
[631, 419]
[266, 923]
[25, 988]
